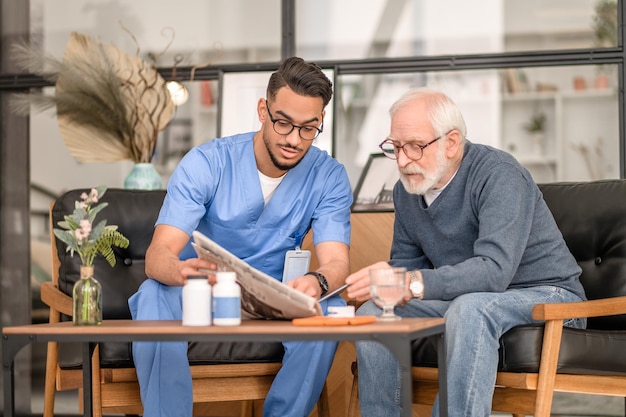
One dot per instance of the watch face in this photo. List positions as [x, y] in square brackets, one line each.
[416, 288]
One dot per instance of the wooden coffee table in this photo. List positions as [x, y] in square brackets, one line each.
[396, 336]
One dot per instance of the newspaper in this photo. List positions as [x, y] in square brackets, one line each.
[262, 297]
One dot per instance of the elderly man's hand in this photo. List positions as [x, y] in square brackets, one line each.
[359, 282]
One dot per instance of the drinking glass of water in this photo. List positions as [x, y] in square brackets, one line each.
[388, 286]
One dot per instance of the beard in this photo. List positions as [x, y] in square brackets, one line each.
[429, 179]
[275, 158]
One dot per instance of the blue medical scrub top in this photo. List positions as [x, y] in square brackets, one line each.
[216, 190]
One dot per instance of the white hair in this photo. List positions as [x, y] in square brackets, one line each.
[444, 114]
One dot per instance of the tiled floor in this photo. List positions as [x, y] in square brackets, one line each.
[565, 405]
[578, 405]
[66, 402]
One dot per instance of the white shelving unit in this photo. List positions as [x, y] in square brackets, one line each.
[579, 134]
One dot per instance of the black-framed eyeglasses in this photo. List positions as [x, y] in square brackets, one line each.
[412, 150]
[285, 127]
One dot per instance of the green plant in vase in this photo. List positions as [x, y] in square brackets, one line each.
[605, 23]
[82, 235]
[536, 127]
[605, 29]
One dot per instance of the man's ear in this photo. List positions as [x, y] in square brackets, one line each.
[453, 143]
[261, 109]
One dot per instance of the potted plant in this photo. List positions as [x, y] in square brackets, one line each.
[536, 127]
[110, 106]
[605, 23]
[605, 34]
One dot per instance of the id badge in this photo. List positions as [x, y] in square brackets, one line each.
[296, 264]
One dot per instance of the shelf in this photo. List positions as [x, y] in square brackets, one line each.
[573, 116]
[590, 93]
[530, 96]
[536, 159]
[553, 95]
[207, 109]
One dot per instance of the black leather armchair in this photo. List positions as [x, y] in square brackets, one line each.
[536, 360]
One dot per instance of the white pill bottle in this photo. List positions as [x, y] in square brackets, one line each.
[197, 301]
[226, 300]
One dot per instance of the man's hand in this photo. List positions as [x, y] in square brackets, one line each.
[197, 266]
[359, 282]
[307, 284]
[162, 262]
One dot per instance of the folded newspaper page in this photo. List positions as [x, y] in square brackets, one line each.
[262, 297]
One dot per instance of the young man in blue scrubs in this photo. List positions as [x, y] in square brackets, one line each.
[254, 194]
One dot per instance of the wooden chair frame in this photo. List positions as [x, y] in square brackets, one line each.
[116, 390]
[523, 394]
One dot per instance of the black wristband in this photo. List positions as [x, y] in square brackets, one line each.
[321, 279]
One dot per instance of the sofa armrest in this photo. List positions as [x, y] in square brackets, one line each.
[594, 308]
[55, 299]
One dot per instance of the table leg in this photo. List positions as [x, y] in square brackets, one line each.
[10, 346]
[443, 380]
[88, 349]
[401, 348]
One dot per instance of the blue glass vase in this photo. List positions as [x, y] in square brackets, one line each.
[143, 176]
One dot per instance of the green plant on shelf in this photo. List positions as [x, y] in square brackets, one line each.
[536, 124]
[605, 23]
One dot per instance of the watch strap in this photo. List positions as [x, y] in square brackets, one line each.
[415, 278]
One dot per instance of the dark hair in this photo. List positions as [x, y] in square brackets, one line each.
[304, 78]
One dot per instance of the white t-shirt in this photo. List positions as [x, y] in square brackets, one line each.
[269, 185]
[431, 195]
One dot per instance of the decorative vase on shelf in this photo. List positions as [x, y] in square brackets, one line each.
[537, 138]
[87, 299]
[143, 176]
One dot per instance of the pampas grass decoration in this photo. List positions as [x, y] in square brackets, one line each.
[110, 106]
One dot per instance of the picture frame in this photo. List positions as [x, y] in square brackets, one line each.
[374, 190]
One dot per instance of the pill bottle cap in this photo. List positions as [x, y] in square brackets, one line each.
[226, 276]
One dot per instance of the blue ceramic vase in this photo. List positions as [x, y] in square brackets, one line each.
[143, 176]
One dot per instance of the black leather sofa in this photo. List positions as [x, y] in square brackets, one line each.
[135, 212]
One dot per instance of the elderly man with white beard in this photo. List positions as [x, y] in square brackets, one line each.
[480, 246]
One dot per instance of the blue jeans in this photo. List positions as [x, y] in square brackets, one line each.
[165, 378]
[474, 324]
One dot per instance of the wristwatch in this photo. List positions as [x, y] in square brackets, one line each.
[321, 279]
[416, 285]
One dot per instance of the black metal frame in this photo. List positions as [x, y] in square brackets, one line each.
[366, 176]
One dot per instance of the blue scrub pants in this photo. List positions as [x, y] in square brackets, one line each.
[165, 378]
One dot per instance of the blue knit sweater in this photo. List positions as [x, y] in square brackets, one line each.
[488, 231]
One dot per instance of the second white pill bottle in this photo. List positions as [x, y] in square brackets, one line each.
[226, 300]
